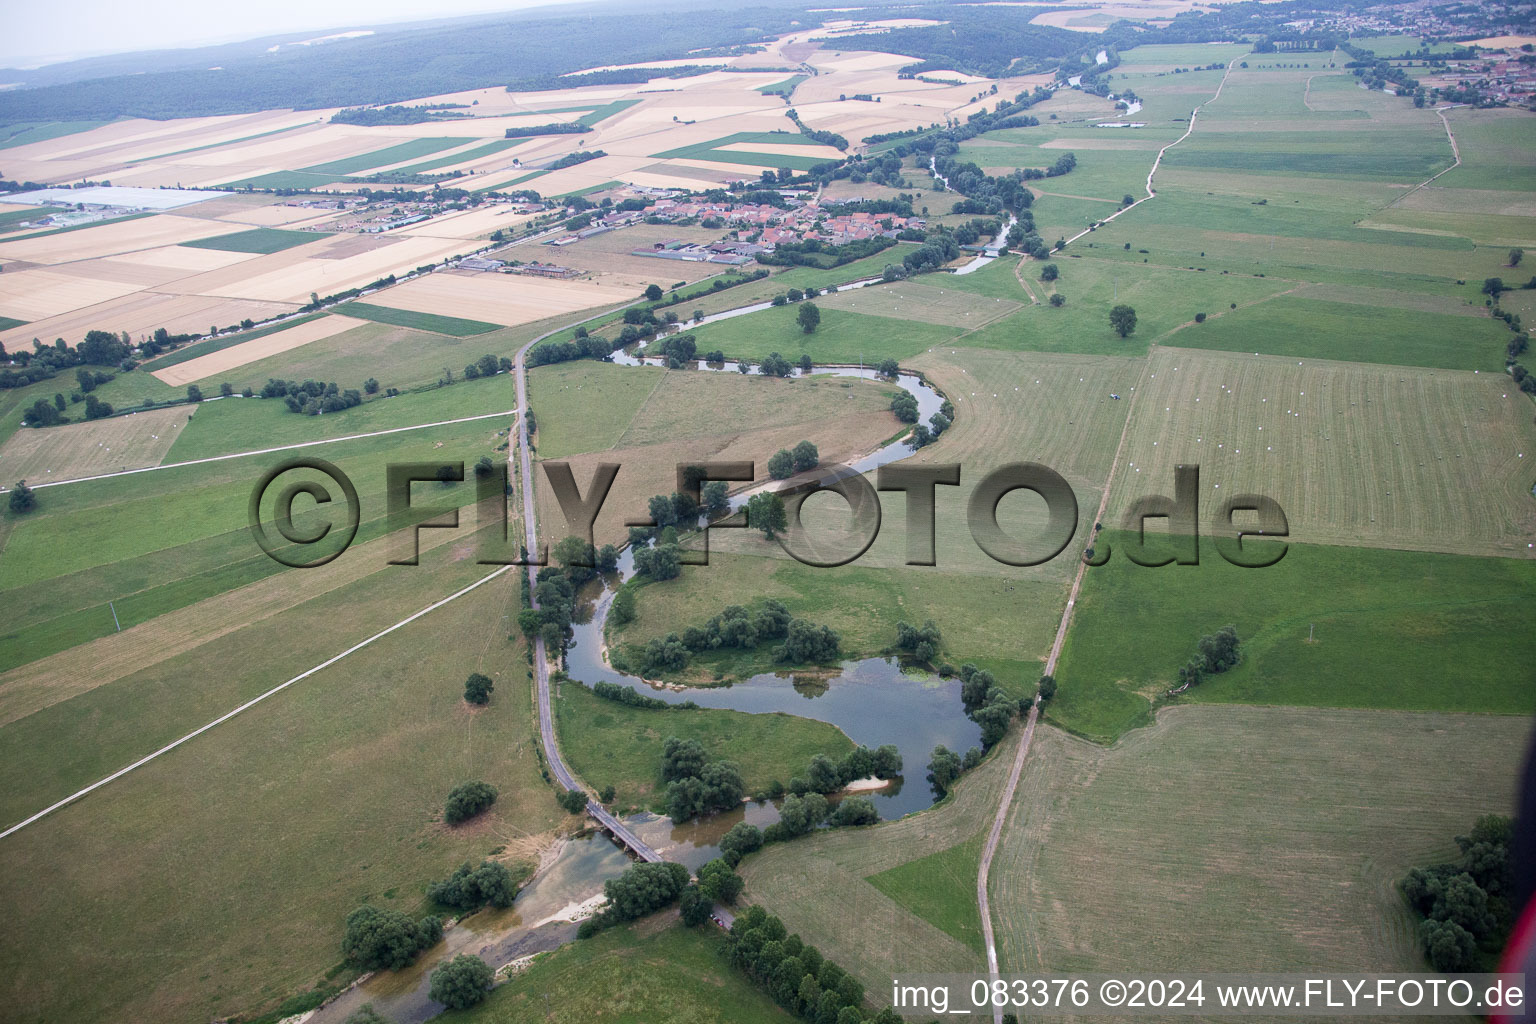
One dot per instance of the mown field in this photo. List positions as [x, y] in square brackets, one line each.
[1241, 839]
[652, 970]
[107, 541]
[612, 744]
[1325, 627]
[858, 891]
[1355, 454]
[842, 337]
[264, 241]
[689, 416]
[231, 863]
[454, 327]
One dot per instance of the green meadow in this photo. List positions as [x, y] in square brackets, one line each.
[1326, 627]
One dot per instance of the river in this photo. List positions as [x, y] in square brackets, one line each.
[874, 701]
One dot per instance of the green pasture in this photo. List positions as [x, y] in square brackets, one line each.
[453, 326]
[263, 241]
[612, 744]
[1325, 627]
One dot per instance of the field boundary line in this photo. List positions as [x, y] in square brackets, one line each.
[1151, 193]
[269, 451]
[250, 703]
[1455, 152]
[638, 410]
[1006, 803]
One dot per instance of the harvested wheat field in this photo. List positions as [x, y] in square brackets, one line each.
[85, 449]
[215, 363]
[38, 294]
[291, 276]
[141, 312]
[471, 223]
[506, 299]
[112, 238]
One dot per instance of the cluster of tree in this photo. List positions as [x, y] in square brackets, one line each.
[487, 366]
[584, 346]
[945, 767]
[581, 156]
[399, 114]
[624, 695]
[980, 41]
[477, 689]
[796, 975]
[784, 463]
[882, 170]
[921, 642]
[1464, 904]
[43, 362]
[774, 366]
[925, 434]
[695, 784]
[676, 349]
[164, 341]
[717, 884]
[642, 889]
[824, 775]
[938, 248]
[815, 253]
[825, 138]
[766, 512]
[1217, 652]
[807, 643]
[739, 628]
[467, 800]
[661, 562]
[975, 229]
[901, 206]
[470, 888]
[310, 398]
[557, 128]
[43, 413]
[551, 620]
[461, 982]
[1122, 319]
[993, 193]
[903, 403]
[803, 813]
[985, 703]
[616, 76]
[22, 499]
[377, 939]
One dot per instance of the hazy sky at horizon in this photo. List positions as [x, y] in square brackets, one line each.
[31, 35]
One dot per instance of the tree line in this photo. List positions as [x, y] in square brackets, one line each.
[1463, 905]
[797, 976]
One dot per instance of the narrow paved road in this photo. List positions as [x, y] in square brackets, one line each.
[541, 656]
